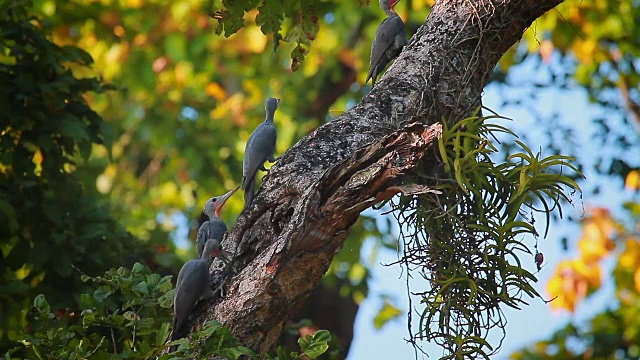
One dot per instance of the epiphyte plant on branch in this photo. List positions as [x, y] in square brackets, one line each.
[466, 238]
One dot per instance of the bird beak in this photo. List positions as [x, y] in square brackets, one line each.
[223, 199]
[278, 101]
[393, 4]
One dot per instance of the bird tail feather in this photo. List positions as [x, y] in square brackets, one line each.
[175, 335]
[248, 193]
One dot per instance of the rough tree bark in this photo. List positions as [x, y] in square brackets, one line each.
[285, 242]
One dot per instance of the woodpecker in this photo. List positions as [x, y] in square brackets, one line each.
[260, 148]
[193, 285]
[391, 37]
[215, 228]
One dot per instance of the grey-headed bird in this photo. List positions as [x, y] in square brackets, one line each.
[260, 148]
[215, 228]
[193, 285]
[391, 37]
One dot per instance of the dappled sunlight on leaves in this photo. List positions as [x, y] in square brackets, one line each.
[574, 279]
[566, 286]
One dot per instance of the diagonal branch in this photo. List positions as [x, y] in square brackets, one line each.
[286, 240]
[305, 235]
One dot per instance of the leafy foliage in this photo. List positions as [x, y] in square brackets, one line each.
[301, 28]
[49, 220]
[128, 315]
[188, 89]
[192, 98]
[465, 238]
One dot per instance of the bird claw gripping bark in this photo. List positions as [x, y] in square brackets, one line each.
[219, 288]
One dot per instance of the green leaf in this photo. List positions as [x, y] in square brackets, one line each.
[130, 316]
[269, 17]
[283, 354]
[236, 352]
[163, 334]
[166, 301]
[74, 128]
[387, 313]
[210, 327]
[316, 349]
[62, 264]
[10, 215]
[102, 293]
[41, 304]
[176, 47]
[87, 301]
[316, 345]
[322, 336]
[141, 288]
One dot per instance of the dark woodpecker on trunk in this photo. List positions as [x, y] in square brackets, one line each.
[391, 37]
[215, 228]
[193, 285]
[260, 148]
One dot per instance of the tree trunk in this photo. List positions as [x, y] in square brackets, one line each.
[286, 240]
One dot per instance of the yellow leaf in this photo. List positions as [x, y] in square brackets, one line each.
[561, 287]
[24, 271]
[632, 182]
[593, 246]
[169, 193]
[216, 91]
[136, 4]
[585, 50]
[630, 257]
[388, 312]
[602, 218]
[588, 273]
[636, 280]
[37, 161]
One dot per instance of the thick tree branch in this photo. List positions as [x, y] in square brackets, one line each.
[285, 242]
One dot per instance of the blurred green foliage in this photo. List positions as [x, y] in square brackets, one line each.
[50, 221]
[129, 316]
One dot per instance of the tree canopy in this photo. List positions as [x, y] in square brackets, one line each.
[120, 118]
